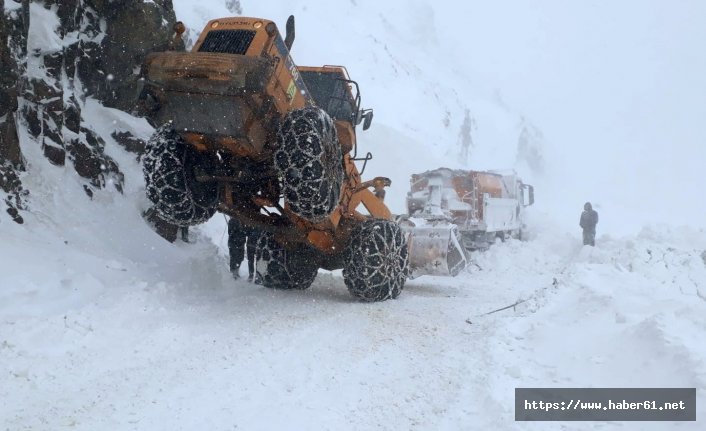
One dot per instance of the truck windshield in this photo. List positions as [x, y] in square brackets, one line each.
[331, 93]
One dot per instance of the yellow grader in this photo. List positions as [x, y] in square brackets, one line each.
[244, 131]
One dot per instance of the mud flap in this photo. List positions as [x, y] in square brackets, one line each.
[434, 247]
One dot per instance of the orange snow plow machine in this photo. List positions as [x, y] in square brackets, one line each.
[245, 131]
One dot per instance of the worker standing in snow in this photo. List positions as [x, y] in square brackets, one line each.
[252, 235]
[238, 237]
[236, 245]
[589, 220]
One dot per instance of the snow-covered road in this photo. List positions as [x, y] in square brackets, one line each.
[146, 335]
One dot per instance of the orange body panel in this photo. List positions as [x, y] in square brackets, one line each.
[488, 183]
[285, 88]
[469, 186]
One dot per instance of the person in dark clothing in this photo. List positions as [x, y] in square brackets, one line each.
[241, 238]
[252, 235]
[236, 245]
[589, 220]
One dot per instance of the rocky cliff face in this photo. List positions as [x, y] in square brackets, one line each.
[56, 53]
[11, 162]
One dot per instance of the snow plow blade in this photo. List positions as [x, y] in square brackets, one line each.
[434, 248]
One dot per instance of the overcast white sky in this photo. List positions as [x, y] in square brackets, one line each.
[619, 87]
[629, 70]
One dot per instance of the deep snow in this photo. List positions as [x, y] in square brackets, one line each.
[104, 325]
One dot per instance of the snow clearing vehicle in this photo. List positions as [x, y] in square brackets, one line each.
[246, 132]
[453, 212]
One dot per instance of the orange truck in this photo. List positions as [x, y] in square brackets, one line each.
[453, 212]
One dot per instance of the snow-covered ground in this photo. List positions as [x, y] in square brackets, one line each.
[105, 326]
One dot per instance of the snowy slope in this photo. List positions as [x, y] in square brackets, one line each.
[104, 325]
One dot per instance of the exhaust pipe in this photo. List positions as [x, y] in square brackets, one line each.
[289, 38]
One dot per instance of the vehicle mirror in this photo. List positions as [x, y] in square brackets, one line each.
[358, 117]
[367, 119]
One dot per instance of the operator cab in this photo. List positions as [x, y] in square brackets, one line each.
[333, 91]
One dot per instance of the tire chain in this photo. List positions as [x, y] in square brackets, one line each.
[166, 182]
[310, 162]
[275, 268]
[377, 261]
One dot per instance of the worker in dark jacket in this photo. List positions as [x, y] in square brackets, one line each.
[238, 237]
[589, 220]
[252, 236]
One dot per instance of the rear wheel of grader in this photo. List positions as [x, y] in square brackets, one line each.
[170, 182]
[310, 163]
[377, 260]
[279, 268]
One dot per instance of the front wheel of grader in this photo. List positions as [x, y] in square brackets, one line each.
[377, 260]
[309, 161]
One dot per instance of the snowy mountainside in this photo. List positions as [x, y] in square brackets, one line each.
[409, 72]
[419, 70]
